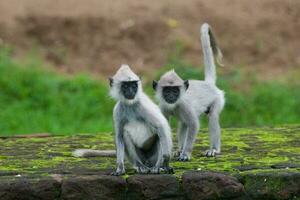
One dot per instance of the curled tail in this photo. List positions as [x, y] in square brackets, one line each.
[93, 153]
[210, 49]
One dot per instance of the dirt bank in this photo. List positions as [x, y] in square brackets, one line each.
[97, 36]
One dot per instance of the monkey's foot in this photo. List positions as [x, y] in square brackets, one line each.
[142, 170]
[183, 157]
[211, 153]
[161, 170]
[176, 153]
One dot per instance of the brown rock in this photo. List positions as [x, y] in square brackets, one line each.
[25, 188]
[273, 185]
[210, 185]
[93, 187]
[153, 187]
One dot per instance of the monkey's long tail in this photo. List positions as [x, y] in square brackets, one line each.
[93, 153]
[210, 49]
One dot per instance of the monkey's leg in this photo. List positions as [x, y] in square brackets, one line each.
[181, 137]
[193, 127]
[135, 156]
[214, 133]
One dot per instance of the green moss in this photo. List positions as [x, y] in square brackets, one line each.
[271, 184]
[244, 149]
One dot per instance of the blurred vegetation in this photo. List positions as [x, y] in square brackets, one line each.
[34, 99]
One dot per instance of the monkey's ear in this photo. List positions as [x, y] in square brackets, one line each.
[186, 84]
[154, 84]
[111, 81]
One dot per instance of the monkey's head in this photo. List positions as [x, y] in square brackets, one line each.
[170, 88]
[125, 85]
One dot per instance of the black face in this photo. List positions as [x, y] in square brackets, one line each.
[171, 93]
[129, 89]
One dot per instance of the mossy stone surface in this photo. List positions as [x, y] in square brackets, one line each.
[243, 149]
[256, 163]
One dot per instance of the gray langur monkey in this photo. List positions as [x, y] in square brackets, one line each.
[188, 100]
[142, 133]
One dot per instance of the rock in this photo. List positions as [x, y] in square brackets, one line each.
[153, 187]
[27, 188]
[273, 185]
[93, 187]
[211, 185]
[48, 170]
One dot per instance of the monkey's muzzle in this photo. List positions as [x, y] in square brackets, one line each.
[129, 94]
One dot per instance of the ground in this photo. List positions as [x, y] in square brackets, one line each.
[254, 156]
[97, 36]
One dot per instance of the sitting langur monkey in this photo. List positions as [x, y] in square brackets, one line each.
[142, 133]
[188, 100]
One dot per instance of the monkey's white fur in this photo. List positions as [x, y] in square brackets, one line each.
[142, 133]
[93, 153]
[200, 97]
[209, 48]
[140, 129]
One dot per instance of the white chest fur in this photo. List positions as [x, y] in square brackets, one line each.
[140, 134]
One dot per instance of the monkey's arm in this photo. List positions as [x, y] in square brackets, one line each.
[191, 120]
[120, 148]
[120, 154]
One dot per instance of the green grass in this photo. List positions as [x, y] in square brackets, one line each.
[34, 99]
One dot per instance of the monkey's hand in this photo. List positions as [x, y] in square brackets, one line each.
[183, 157]
[167, 170]
[211, 153]
[120, 171]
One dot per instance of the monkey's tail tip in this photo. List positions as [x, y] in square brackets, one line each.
[79, 153]
[205, 26]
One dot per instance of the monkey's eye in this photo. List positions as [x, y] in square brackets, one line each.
[171, 89]
[130, 84]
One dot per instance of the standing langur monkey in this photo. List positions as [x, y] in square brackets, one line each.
[188, 100]
[142, 133]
